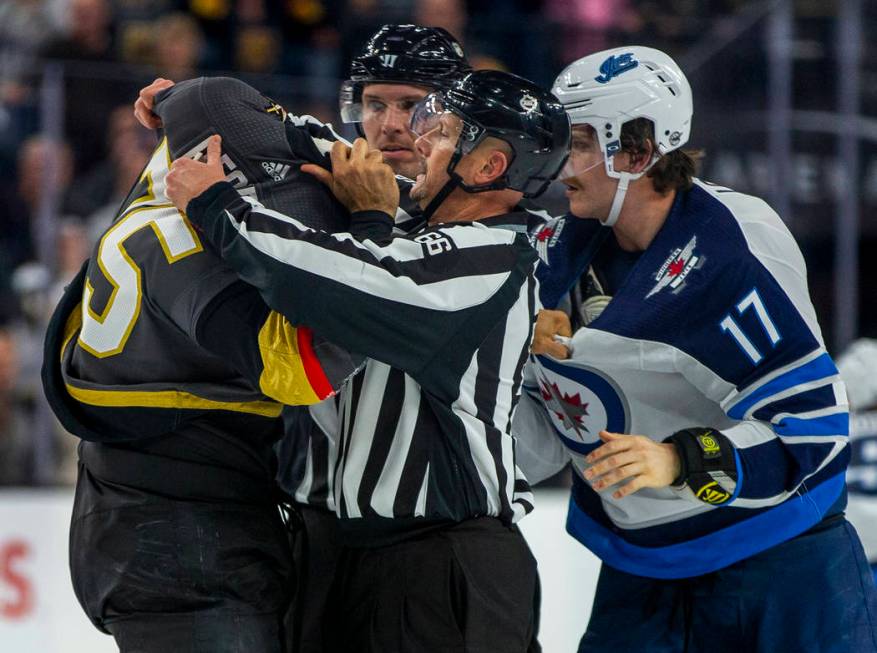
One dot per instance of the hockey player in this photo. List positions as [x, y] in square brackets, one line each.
[857, 365]
[427, 487]
[706, 424]
[173, 372]
[398, 67]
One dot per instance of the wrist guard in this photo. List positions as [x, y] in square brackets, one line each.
[708, 464]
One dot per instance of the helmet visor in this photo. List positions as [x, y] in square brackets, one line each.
[433, 120]
[349, 105]
[585, 152]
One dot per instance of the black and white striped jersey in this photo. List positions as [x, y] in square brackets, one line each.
[445, 315]
[307, 453]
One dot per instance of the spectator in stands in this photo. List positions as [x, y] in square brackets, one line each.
[16, 451]
[94, 82]
[449, 14]
[42, 163]
[177, 46]
[587, 26]
[97, 196]
[23, 27]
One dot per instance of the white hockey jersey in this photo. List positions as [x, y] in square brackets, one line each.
[713, 327]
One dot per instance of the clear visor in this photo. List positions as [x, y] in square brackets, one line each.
[431, 120]
[576, 166]
[585, 153]
[350, 110]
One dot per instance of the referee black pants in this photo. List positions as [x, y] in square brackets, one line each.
[464, 588]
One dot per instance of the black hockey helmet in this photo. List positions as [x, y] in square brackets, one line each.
[403, 54]
[529, 119]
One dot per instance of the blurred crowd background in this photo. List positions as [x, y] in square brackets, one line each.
[785, 108]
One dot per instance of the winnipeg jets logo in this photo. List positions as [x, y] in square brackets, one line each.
[677, 267]
[570, 409]
[389, 60]
[546, 236]
[614, 66]
[276, 170]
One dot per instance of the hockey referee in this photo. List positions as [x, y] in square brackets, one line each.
[426, 485]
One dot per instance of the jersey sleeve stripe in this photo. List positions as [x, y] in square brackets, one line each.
[819, 368]
[837, 424]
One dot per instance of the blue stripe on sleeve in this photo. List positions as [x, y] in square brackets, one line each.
[739, 486]
[818, 368]
[821, 397]
[773, 468]
[837, 424]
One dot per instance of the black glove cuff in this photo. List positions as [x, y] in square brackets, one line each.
[708, 464]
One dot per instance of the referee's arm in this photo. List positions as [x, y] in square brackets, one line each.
[399, 301]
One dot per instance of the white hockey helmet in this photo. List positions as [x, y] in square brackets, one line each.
[612, 87]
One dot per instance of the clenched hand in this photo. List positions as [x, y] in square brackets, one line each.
[189, 178]
[359, 179]
[548, 325]
[146, 102]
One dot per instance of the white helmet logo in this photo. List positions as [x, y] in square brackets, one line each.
[389, 60]
[529, 103]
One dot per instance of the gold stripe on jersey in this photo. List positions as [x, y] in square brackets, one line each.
[154, 398]
[169, 399]
[283, 374]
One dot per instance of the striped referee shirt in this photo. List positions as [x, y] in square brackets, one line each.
[445, 315]
[308, 451]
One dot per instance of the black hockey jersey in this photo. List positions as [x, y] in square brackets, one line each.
[158, 348]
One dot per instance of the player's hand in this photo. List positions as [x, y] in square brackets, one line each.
[359, 179]
[189, 178]
[548, 325]
[635, 460]
[145, 103]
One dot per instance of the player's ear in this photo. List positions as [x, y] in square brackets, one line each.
[494, 165]
[640, 159]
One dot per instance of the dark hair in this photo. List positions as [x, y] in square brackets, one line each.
[674, 170]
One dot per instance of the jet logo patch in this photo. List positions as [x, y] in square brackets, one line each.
[677, 267]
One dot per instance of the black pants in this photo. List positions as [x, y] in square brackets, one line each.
[462, 589]
[162, 575]
[316, 550]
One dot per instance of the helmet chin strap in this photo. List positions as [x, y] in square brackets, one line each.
[624, 180]
[436, 201]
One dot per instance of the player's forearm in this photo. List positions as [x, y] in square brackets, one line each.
[332, 283]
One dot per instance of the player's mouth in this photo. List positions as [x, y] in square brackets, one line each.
[396, 152]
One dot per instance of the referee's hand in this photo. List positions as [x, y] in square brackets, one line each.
[548, 325]
[360, 179]
[145, 103]
[189, 178]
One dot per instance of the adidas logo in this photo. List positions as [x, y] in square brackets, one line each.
[276, 170]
